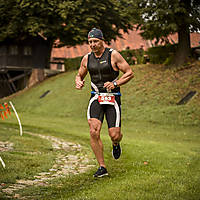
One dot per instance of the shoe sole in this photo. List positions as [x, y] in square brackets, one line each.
[119, 156]
[100, 176]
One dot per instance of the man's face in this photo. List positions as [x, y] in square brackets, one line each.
[95, 44]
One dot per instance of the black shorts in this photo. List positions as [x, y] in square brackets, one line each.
[112, 112]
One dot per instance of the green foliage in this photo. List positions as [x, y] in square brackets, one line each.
[128, 56]
[134, 56]
[131, 56]
[158, 19]
[68, 20]
[72, 63]
[161, 54]
[169, 60]
[140, 56]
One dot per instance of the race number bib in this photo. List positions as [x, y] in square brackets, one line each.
[106, 98]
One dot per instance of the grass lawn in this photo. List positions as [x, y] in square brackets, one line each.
[161, 143]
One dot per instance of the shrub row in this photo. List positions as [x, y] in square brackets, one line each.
[161, 54]
[154, 55]
[131, 56]
[72, 63]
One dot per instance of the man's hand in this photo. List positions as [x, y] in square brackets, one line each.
[79, 84]
[109, 85]
[79, 80]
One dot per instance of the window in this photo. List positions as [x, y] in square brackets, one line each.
[59, 66]
[13, 50]
[2, 50]
[27, 51]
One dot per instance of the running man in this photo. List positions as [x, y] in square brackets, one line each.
[103, 65]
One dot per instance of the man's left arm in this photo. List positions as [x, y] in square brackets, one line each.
[119, 62]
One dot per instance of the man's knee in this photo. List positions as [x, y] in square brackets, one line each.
[115, 134]
[95, 127]
[94, 133]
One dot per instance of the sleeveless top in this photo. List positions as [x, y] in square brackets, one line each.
[101, 71]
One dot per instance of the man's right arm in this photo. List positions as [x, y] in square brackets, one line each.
[82, 72]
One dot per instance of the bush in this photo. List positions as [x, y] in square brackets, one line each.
[161, 54]
[139, 54]
[72, 63]
[168, 60]
[128, 56]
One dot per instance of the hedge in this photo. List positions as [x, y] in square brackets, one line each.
[154, 55]
[161, 54]
[72, 63]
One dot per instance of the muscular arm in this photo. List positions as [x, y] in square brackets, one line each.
[118, 62]
[82, 72]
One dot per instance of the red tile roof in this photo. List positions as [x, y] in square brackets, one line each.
[133, 40]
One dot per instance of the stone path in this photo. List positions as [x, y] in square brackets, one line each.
[65, 164]
[5, 146]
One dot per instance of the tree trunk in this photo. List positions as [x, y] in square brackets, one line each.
[183, 51]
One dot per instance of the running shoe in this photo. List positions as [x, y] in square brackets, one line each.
[116, 152]
[102, 171]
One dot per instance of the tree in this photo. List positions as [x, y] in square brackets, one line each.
[159, 18]
[66, 20]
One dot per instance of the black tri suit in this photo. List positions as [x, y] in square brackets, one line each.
[101, 71]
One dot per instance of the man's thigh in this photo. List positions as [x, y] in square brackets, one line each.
[113, 115]
[95, 110]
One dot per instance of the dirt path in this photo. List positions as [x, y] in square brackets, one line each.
[65, 164]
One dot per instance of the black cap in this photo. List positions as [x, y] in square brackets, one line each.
[95, 33]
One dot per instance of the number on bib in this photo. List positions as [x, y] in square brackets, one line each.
[106, 98]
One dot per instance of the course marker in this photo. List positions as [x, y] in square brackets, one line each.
[20, 125]
[4, 110]
[2, 162]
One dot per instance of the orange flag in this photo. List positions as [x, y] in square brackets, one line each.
[4, 110]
